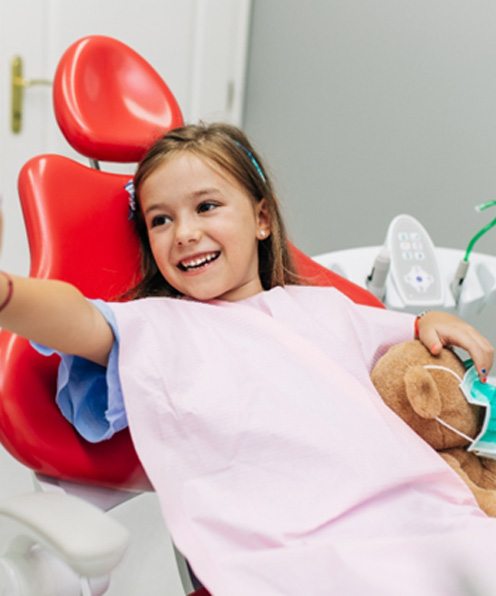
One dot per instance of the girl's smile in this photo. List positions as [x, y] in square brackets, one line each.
[198, 262]
[203, 229]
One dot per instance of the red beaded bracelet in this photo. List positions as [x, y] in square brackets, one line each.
[10, 290]
[416, 324]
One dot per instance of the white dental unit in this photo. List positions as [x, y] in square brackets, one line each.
[409, 273]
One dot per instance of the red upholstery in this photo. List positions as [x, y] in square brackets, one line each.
[74, 235]
[201, 592]
[111, 105]
[109, 102]
[316, 275]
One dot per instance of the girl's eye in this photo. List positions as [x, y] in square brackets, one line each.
[206, 206]
[159, 220]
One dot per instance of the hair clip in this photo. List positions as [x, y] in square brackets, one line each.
[253, 160]
[131, 191]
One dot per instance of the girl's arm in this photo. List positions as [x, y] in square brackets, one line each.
[439, 329]
[55, 314]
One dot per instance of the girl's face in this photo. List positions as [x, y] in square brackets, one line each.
[203, 229]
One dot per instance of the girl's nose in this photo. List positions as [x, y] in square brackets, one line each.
[187, 232]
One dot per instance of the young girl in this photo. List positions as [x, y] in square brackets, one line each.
[279, 469]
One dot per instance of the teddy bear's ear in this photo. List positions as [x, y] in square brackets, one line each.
[422, 392]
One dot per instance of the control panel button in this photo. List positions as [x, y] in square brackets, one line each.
[419, 279]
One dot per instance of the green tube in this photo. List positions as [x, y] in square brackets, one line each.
[482, 231]
[485, 205]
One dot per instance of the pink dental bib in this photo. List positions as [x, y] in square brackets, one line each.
[279, 469]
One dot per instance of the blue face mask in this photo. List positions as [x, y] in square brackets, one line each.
[482, 395]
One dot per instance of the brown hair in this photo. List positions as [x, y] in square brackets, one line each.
[228, 147]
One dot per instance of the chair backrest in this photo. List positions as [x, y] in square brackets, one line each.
[110, 104]
[72, 216]
[78, 231]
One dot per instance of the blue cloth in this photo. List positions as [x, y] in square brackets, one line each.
[90, 395]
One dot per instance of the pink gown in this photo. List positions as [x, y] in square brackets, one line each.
[279, 470]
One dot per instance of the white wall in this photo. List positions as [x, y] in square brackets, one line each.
[366, 109]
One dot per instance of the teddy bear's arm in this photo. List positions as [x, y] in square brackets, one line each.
[469, 466]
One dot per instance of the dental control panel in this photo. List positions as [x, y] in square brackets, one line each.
[414, 268]
[409, 273]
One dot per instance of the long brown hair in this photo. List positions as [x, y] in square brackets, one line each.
[228, 147]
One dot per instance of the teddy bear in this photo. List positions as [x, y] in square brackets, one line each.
[419, 395]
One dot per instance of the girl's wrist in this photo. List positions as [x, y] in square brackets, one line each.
[6, 291]
[416, 324]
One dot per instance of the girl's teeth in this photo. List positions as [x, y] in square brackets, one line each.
[198, 262]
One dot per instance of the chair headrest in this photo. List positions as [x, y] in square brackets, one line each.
[110, 104]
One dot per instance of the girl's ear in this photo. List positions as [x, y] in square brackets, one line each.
[263, 219]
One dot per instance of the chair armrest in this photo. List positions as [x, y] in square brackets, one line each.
[90, 542]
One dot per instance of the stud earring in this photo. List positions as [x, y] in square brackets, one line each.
[262, 233]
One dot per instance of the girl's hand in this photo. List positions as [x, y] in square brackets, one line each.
[439, 329]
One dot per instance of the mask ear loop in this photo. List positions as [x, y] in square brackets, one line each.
[445, 369]
[440, 420]
[453, 429]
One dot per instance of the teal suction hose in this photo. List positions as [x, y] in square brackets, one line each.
[482, 231]
[461, 271]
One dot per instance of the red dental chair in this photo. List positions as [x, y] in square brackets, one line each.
[110, 105]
